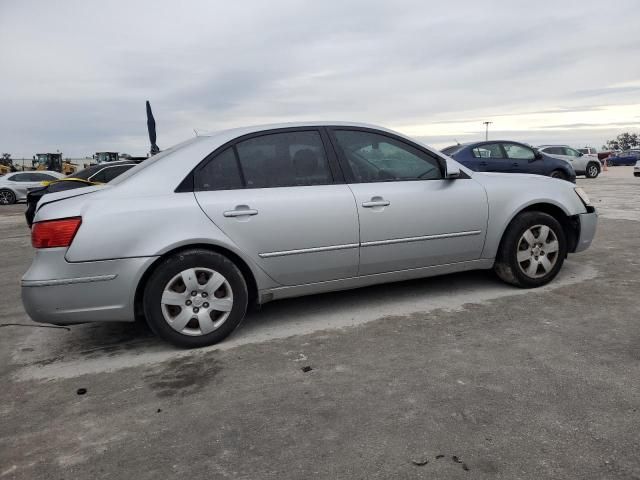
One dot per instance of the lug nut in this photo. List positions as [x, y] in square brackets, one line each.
[188, 302]
[205, 305]
[204, 294]
[195, 309]
[194, 293]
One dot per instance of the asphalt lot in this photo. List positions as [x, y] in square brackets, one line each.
[479, 379]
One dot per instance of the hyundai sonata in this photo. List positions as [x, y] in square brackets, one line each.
[189, 238]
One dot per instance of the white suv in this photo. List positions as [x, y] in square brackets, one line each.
[584, 164]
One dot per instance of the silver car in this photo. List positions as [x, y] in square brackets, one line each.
[583, 163]
[189, 238]
[14, 186]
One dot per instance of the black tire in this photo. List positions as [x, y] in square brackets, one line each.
[592, 170]
[7, 197]
[559, 174]
[172, 266]
[507, 266]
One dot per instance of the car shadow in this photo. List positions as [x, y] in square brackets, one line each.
[278, 319]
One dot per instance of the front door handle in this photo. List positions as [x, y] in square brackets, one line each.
[240, 211]
[515, 164]
[483, 164]
[376, 202]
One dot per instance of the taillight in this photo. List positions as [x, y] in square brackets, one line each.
[55, 233]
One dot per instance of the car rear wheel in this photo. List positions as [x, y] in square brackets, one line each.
[195, 298]
[592, 170]
[7, 197]
[532, 250]
[559, 174]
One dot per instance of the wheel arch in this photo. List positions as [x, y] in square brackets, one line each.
[247, 273]
[6, 188]
[570, 225]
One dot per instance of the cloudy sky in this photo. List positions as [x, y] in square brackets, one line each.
[74, 75]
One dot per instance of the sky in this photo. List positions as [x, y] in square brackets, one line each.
[74, 75]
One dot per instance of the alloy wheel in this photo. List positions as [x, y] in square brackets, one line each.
[6, 197]
[197, 301]
[593, 171]
[537, 251]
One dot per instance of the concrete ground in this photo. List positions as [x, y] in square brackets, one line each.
[451, 377]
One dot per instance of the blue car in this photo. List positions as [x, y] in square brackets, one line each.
[629, 157]
[509, 157]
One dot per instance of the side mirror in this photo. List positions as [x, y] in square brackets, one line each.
[453, 171]
[580, 154]
[536, 156]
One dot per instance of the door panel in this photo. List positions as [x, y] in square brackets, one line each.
[519, 157]
[424, 223]
[410, 217]
[287, 220]
[491, 157]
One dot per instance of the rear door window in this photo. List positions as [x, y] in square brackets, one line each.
[285, 159]
[41, 177]
[490, 150]
[220, 173]
[21, 177]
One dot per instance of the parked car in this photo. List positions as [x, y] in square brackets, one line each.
[191, 236]
[636, 169]
[93, 175]
[14, 186]
[509, 157]
[628, 157]
[589, 151]
[583, 164]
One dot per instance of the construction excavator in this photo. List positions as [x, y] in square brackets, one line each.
[54, 162]
[101, 157]
[6, 164]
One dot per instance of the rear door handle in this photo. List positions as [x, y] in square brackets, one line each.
[515, 164]
[240, 211]
[376, 203]
[483, 164]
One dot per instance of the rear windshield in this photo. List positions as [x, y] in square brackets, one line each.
[150, 161]
[451, 150]
[87, 172]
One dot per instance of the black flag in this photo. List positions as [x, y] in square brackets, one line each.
[151, 126]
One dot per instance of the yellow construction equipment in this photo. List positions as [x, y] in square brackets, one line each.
[52, 161]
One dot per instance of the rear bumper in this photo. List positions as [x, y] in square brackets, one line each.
[56, 291]
[588, 223]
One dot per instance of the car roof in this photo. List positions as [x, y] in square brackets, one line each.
[239, 131]
[487, 142]
[164, 171]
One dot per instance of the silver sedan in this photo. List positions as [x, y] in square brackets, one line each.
[189, 238]
[14, 186]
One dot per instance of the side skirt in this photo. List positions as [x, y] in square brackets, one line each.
[367, 280]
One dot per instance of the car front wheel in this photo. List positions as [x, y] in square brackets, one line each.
[532, 250]
[195, 298]
[592, 170]
[7, 197]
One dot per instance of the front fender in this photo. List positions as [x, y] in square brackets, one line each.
[508, 195]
